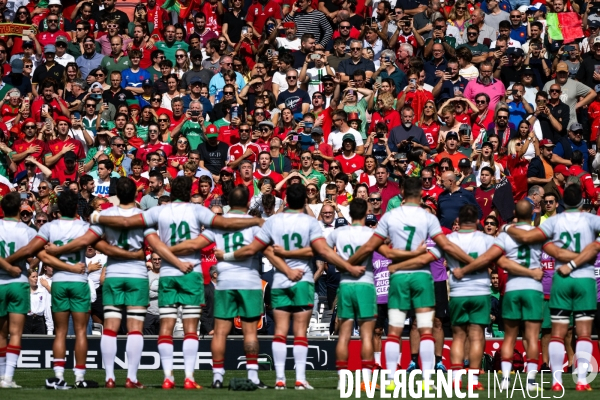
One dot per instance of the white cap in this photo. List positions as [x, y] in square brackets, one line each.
[95, 85]
[522, 9]
[55, 3]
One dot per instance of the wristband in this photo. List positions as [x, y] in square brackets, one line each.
[572, 265]
[505, 228]
[229, 256]
[95, 217]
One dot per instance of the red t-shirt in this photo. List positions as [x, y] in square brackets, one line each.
[54, 107]
[20, 145]
[485, 199]
[57, 145]
[238, 150]
[433, 192]
[326, 150]
[352, 164]
[432, 132]
[146, 61]
[272, 174]
[141, 182]
[46, 38]
[258, 14]
[249, 185]
[213, 20]
[229, 134]
[143, 151]
[390, 118]
[62, 175]
[180, 159]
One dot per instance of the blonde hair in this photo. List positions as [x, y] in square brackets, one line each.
[387, 99]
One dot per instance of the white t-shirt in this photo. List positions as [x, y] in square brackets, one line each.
[279, 79]
[315, 84]
[336, 138]
[288, 45]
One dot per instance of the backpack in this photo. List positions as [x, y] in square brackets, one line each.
[487, 362]
[518, 363]
[242, 384]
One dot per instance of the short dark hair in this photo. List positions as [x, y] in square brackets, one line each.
[181, 188]
[468, 214]
[296, 196]
[67, 203]
[11, 204]
[412, 187]
[358, 209]
[238, 197]
[341, 177]
[126, 190]
[156, 174]
[84, 180]
[107, 164]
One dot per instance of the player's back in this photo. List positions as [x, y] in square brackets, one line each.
[177, 222]
[529, 256]
[474, 243]
[127, 239]
[240, 274]
[291, 230]
[407, 227]
[13, 235]
[574, 230]
[60, 232]
[347, 240]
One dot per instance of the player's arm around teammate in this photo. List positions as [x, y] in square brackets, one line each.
[11, 269]
[92, 239]
[305, 252]
[589, 254]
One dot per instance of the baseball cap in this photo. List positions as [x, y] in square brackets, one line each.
[195, 53]
[70, 156]
[267, 123]
[538, 7]
[17, 66]
[27, 43]
[514, 51]
[523, 9]
[290, 24]
[546, 143]
[227, 169]
[527, 71]
[451, 135]
[370, 220]
[195, 79]
[62, 118]
[464, 163]
[575, 126]
[61, 39]
[54, 3]
[89, 39]
[562, 67]
[487, 144]
[211, 131]
[593, 24]
[561, 169]
[348, 136]
[400, 156]
[25, 207]
[327, 78]
[316, 131]
[49, 48]
[147, 82]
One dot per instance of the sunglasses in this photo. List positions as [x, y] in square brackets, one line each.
[492, 223]
[22, 13]
[52, 21]
[549, 201]
[228, 93]
[265, 129]
[41, 221]
[157, 99]
[43, 187]
[427, 179]
[328, 84]
[480, 101]
[29, 126]
[99, 75]
[444, 168]
[120, 145]
[291, 77]
[554, 91]
[502, 117]
[306, 158]
[163, 120]
[374, 199]
[334, 167]
[256, 114]
[356, 48]
[311, 190]
[344, 27]
[182, 142]
[180, 56]
[152, 131]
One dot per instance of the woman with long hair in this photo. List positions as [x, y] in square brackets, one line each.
[171, 93]
[182, 63]
[429, 123]
[313, 199]
[292, 149]
[241, 66]
[416, 162]
[164, 122]
[286, 124]
[361, 191]
[22, 16]
[146, 118]
[459, 16]
[270, 104]
[368, 174]
[386, 86]
[71, 73]
[180, 155]
[132, 141]
[518, 166]
[485, 158]
[99, 75]
[531, 143]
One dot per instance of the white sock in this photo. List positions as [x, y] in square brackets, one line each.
[392, 356]
[279, 348]
[583, 352]
[300, 354]
[134, 348]
[165, 349]
[2, 362]
[532, 368]
[427, 353]
[190, 354]
[108, 348]
[12, 357]
[79, 371]
[366, 375]
[506, 368]
[476, 378]
[59, 368]
[218, 374]
[556, 352]
[377, 355]
[253, 372]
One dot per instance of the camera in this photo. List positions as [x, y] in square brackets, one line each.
[194, 113]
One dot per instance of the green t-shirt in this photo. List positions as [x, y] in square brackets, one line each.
[194, 133]
[221, 122]
[315, 174]
[111, 65]
[171, 50]
[394, 202]
[448, 39]
[476, 50]
[142, 132]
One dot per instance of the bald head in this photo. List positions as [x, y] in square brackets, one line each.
[524, 211]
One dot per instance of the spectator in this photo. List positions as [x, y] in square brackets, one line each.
[207, 317]
[452, 199]
[152, 320]
[39, 318]
[157, 190]
[387, 188]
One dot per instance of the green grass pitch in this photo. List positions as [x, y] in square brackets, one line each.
[324, 382]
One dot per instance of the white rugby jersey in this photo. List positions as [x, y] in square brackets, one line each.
[573, 230]
[347, 240]
[177, 222]
[240, 274]
[407, 227]
[474, 243]
[528, 256]
[60, 232]
[13, 235]
[127, 239]
[291, 230]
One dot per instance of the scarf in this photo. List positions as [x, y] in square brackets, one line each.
[118, 164]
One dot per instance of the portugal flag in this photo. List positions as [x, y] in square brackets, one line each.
[564, 26]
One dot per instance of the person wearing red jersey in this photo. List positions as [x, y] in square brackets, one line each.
[263, 168]
[49, 36]
[463, 113]
[481, 119]
[245, 177]
[386, 113]
[430, 189]
[266, 134]
[10, 105]
[429, 123]
[153, 144]
[259, 12]
[413, 94]
[141, 183]
[484, 194]
[213, 10]
[30, 145]
[244, 150]
[406, 34]
[49, 104]
[349, 160]
[63, 144]
[157, 15]
[451, 149]
[139, 43]
[70, 173]
[587, 182]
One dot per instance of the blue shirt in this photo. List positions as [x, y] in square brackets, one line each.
[447, 91]
[430, 68]
[516, 114]
[449, 204]
[86, 64]
[519, 34]
[206, 104]
[134, 79]
[559, 150]
[217, 83]
[397, 76]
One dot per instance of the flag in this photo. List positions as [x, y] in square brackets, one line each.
[181, 7]
[564, 26]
